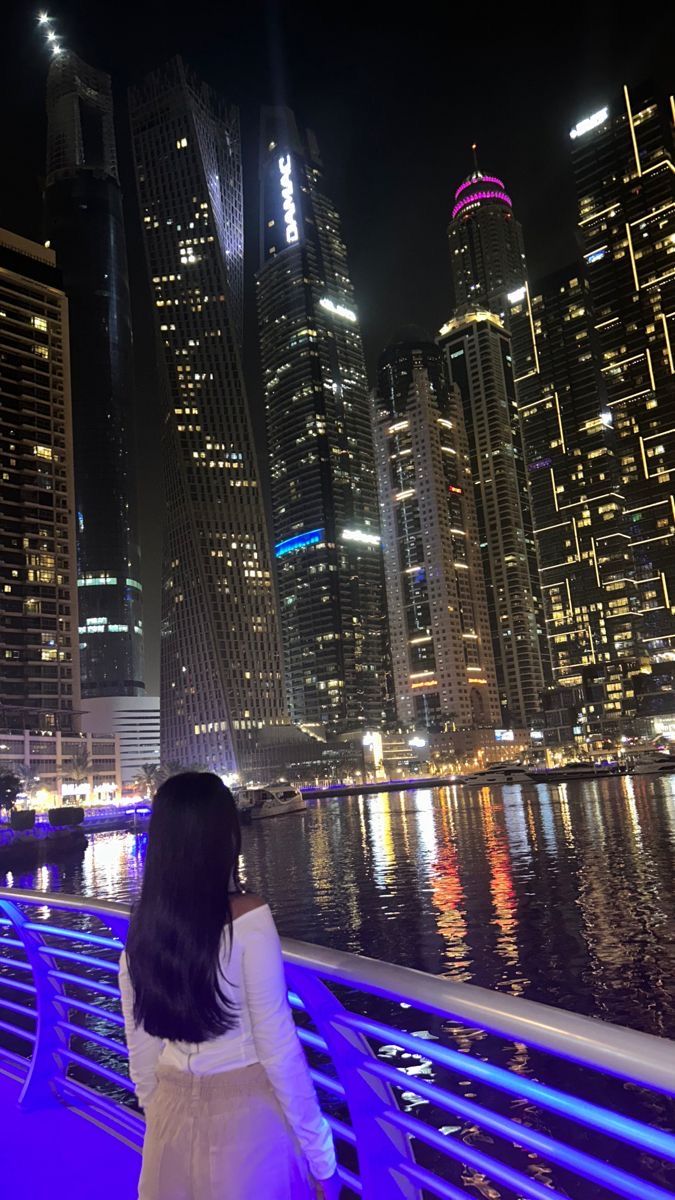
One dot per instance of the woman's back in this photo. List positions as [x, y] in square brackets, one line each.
[253, 937]
[231, 1110]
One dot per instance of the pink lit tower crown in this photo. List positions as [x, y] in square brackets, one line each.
[487, 253]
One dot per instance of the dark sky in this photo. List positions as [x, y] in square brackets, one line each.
[395, 100]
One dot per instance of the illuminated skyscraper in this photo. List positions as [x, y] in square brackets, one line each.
[487, 255]
[85, 227]
[477, 350]
[39, 660]
[585, 558]
[625, 179]
[324, 494]
[220, 664]
[439, 629]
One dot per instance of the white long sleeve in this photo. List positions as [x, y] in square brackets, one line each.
[144, 1050]
[253, 978]
[277, 1044]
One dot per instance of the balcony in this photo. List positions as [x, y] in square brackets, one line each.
[433, 1089]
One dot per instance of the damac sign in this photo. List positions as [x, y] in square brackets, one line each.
[287, 195]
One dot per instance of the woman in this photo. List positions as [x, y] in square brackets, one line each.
[231, 1111]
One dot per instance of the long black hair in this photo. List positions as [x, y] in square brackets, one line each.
[176, 930]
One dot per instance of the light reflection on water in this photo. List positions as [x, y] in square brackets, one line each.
[558, 893]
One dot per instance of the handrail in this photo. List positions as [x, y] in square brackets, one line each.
[639, 1057]
[377, 1064]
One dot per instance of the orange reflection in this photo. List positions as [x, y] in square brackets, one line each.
[501, 883]
[447, 894]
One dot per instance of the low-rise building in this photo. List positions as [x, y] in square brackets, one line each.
[58, 768]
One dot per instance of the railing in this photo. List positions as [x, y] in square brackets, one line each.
[494, 1096]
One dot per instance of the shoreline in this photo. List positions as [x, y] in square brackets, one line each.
[27, 849]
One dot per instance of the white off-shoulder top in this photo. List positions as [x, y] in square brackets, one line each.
[253, 977]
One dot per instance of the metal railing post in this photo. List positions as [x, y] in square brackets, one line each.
[381, 1148]
[37, 1090]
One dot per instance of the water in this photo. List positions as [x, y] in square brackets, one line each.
[561, 893]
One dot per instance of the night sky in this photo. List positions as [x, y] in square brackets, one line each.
[395, 101]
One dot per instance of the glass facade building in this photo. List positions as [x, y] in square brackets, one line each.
[581, 529]
[439, 630]
[324, 492]
[487, 254]
[477, 350]
[39, 659]
[221, 682]
[85, 227]
[624, 170]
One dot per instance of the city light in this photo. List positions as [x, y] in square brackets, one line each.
[588, 123]
[338, 310]
[477, 196]
[517, 296]
[357, 535]
[474, 179]
[287, 192]
[299, 542]
[43, 19]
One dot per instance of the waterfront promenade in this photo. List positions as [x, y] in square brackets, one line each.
[60, 1146]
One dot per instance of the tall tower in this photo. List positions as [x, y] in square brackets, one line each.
[477, 351]
[39, 658]
[487, 254]
[324, 494]
[85, 227]
[220, 662]
[439, 628]
[585, 557]
[624, 168]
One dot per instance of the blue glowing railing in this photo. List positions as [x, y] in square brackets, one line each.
[415, 1113]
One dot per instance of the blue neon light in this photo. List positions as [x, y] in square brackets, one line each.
[46, 1072]
[311, 538]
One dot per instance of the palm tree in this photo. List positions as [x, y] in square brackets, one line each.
[79, 768]
[148, 779]
[30, 782]
[10, 786]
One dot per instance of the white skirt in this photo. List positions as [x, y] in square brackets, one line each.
[219, 1137]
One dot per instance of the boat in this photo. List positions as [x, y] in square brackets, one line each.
[503, 774]
[652, 762]
[570, 771]
[273, 800]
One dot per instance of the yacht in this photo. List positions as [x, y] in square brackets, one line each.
[255, 803]
[498, 773]
[652, 762]
[570, 771]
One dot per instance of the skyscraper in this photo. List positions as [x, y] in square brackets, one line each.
[324, 494]
[487, 255]
[477, 350]
[439, 628]
[585, 558]
[39, 658]
[624, 170]
[220, 663]
[85, 227]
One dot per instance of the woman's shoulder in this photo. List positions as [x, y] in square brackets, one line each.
[243, 903]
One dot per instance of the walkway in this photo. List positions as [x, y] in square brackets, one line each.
[55, 1154]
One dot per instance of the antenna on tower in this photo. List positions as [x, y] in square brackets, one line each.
[474, 149]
